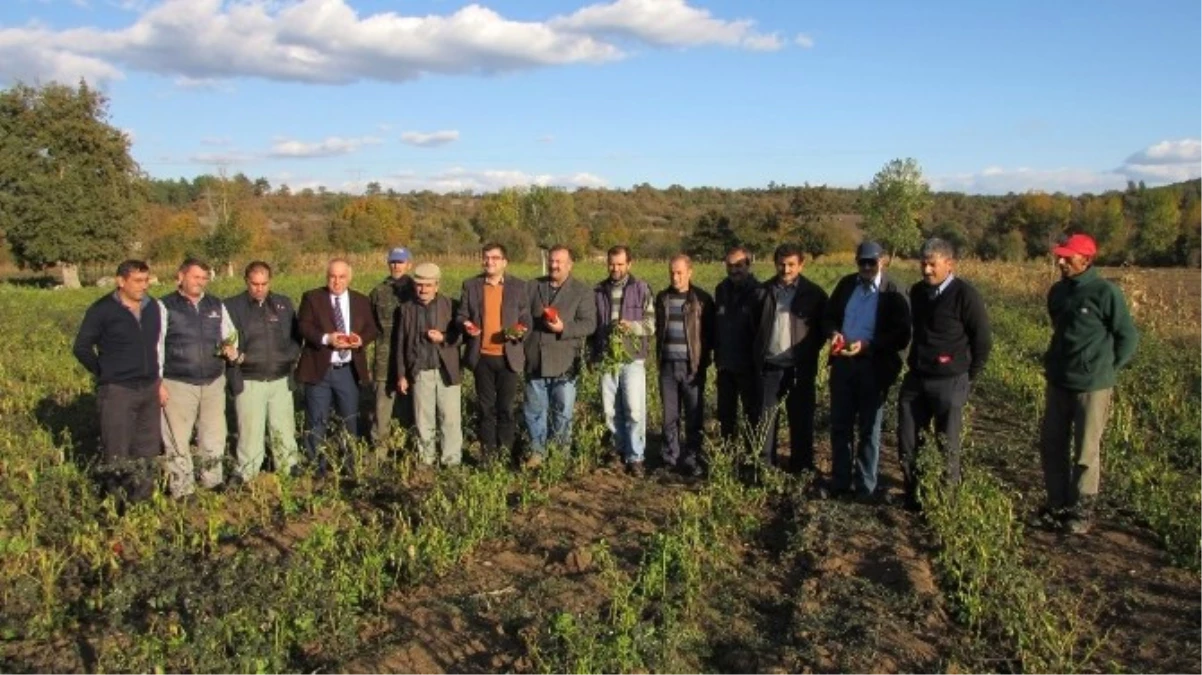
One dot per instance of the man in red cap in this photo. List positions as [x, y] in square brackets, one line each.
[1093, 337]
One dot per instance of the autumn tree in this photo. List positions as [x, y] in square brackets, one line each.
[69, 190]
[371, 223]
[895, 204]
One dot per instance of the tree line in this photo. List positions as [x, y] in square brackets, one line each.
[70, 193]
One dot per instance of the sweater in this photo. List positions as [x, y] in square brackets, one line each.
[118, 348]
[951, 331]
[1093, 335]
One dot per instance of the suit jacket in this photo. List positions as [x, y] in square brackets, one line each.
[892, 325]
[316, 318]
[411, 333]
[515, 308]
[551, 354]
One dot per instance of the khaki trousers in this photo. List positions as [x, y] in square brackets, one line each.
[199, 408]
[1070, 443]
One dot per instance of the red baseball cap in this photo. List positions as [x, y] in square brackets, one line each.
[1078, 244]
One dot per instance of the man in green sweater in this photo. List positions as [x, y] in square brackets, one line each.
[1093, 336]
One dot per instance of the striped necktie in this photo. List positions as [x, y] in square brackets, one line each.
[340, 325]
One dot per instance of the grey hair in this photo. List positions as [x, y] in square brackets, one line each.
[938, 248]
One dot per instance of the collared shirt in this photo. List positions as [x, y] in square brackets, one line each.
[859, 317]
[943, 286]
[782, 325]
[344, 302]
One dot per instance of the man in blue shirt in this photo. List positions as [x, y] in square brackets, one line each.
[868, 324]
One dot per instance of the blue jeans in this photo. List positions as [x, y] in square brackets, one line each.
[624, 400]
[549, 403]
[857, 405]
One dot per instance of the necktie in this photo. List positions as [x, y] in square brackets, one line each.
[340, 326]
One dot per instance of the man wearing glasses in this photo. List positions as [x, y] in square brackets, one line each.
[868, 324]
[734, 333]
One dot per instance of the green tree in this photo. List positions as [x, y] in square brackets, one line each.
[1159, 223]
[69, 191]
[228, 239]
[1103, 219]
[895, 204]
[711, 238]
[549, 214]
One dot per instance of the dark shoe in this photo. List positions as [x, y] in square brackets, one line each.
[692, 471]
[1046, 518]
[636, 469]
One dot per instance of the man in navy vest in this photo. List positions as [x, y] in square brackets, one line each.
[119, 343]
[625, 314]
[200, 339]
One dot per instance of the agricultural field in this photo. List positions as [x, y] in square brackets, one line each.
[579, 568]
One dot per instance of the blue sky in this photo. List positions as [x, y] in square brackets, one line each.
[988, 97]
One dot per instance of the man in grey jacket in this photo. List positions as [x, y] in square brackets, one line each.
[564, 314]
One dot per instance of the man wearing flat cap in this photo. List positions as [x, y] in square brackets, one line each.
[427, 365]
[386, 299]
[1093, 337]
[867, 322]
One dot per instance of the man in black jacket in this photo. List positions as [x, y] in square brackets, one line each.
[951, 346]
[868, 324]
[788, 314]
[119, 343]
[734, 332]
[269, 345]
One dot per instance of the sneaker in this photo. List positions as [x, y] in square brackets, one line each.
[1078, 524]
[636, 469]
[534, 461]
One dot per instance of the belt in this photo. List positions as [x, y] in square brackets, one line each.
[336, 366]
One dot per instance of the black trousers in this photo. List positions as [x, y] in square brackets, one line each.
[920, 402]
[130, 438]
[496, 392]
[677, 392]
[797, 389]
[734, 388]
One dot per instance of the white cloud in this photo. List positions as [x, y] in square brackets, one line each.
[666, 23]
[217, 141]
[334, 145]
[456, 179]
[203, 84]
[233, 157]
[429, 139]
[999, 180]
[328, 41]
[804, 41]
[1159, 164]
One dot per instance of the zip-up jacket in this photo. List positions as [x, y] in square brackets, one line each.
[1093, 335]
[118, 348]
[268, 336]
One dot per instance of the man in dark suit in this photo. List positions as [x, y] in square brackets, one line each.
[868, 323]
[336, 325]
[494, 314]
[788, 313]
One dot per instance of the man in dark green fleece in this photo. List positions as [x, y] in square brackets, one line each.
[1093, 336]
